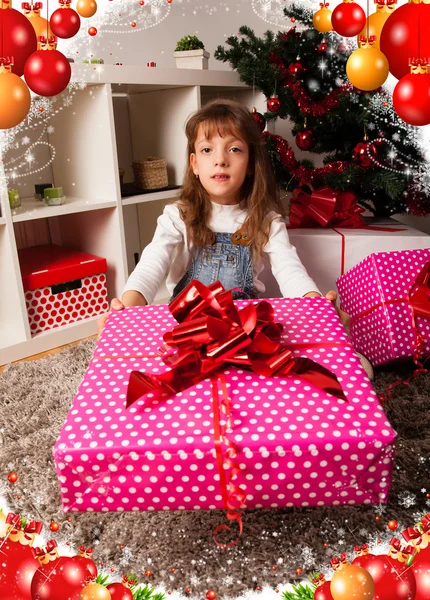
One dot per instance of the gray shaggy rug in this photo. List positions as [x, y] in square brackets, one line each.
[34, 400]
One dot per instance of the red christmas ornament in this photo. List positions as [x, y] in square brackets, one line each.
[306, 139]
[362, 555]
[273, 103]
[348, 18]
[360, 154]
[17, 561]
[17, 38]
[400, 38]
[210, 595]
[64, 577]
[148, 573]
[65, 21]
[121, 591]
[322, 48]
[54, 526]
[47, 72]
[393, 580]
[84, 557]
[421, 569]
[296, 68]
[392, 525]
[323, 592]
[259, 119]
[411, 96]
[92, 31]
[12, 477]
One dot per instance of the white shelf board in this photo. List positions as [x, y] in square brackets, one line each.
[150, 197]
[49, 339]
[31, 209]
[123, 76]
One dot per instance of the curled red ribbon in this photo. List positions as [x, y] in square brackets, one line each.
[425, 523]
[412, 534]
[30, 527]
[48, 549]
[324, 207]
[396, 544]
[213, 333]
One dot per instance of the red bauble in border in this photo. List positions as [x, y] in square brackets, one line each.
[399, 37]
[421, 569]
[323, 592]
[65, 22]
[18, 566]
[393, 580]
[63, 578]
[411, 98]
[118, 591]
[17, 38]
[47, 72]
[348, 18]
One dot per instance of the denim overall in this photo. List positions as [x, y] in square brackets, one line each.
[222, 261]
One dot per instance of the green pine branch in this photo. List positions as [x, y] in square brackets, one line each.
[146, 593]
[300, 592]
[103, 579]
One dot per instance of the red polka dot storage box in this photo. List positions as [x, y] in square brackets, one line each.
[62, 286]
[296, 445]
[379, 295]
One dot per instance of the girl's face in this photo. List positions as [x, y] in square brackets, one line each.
[221, 162]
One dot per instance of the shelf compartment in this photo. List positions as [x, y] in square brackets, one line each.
[152, 196]
[31, 209]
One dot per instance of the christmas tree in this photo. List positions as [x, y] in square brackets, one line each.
[368, 149]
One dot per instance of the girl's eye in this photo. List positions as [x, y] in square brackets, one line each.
[204, 150]
[236, 149]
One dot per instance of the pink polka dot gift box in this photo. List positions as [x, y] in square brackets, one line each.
[289, 443]
[388, 297]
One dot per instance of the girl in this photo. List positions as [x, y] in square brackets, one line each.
[229, 213]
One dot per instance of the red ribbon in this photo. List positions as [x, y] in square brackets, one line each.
[396, 544]
[365, 38]
[425, 523]
[30, 527]
[50, 547]
[418, 62]
[213, 333]
[412, 534]
[6, 61]
[324, 207]
[85, 551]
[65, 3]
[386, 2]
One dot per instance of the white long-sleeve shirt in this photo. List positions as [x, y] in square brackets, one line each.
[169, 253]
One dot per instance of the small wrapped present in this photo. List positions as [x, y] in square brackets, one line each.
[239, 405]
[14, 199]
[54, 196]
[387, 296]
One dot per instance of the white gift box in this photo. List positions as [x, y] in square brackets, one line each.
[327, 253]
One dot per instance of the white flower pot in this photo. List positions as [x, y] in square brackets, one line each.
[192, 59]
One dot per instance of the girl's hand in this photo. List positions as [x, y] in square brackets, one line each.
[116, 304]
[344, 317]
[332, 296]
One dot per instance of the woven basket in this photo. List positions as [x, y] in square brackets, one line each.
[150, 173]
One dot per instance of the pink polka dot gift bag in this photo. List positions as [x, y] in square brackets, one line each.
[239, 437]
[388, 297]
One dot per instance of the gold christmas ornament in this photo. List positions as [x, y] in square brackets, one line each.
[95, 591]
[86, 8]
[322, 18]
[367, 67]
[15, 96]
[376, 21]
[40, 25]
[352, 583]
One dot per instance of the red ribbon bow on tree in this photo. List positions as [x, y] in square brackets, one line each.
[396, 544]
[324, 207]
[412, 534]
[213, 333]
[30, 527]
[425, 523]
[65, 3]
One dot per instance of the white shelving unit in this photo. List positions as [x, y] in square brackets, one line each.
[123, 114]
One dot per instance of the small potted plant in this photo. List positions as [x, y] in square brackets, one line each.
[190, 53]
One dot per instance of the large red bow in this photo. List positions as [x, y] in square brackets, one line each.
[50, 547]
[324, 207]
[16, 522]
[212, 333]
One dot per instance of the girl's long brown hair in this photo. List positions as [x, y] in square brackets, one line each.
[259, 192]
